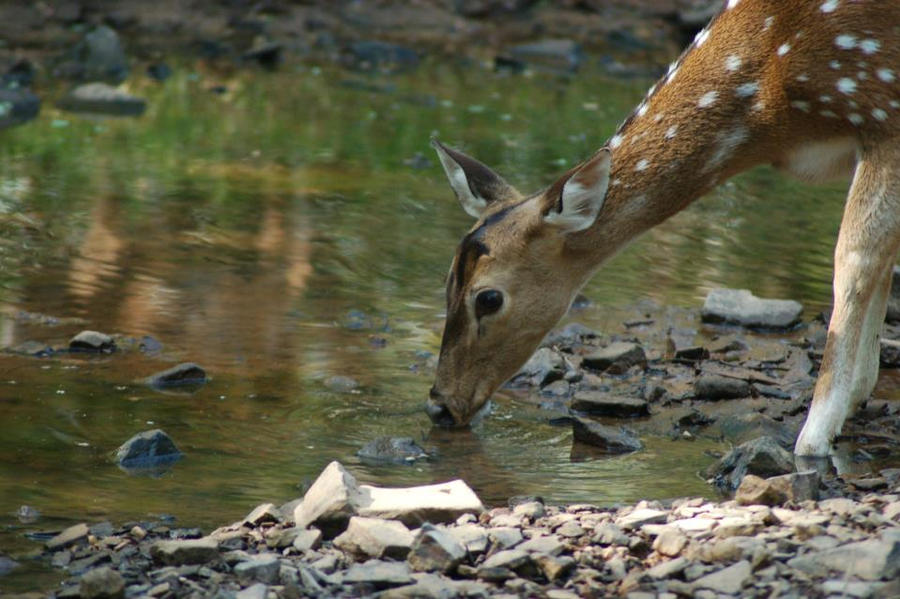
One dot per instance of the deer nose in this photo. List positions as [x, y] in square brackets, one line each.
[438, 412]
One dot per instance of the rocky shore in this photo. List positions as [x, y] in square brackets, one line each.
[779, 538]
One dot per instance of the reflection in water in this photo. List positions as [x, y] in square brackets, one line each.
[243, 243]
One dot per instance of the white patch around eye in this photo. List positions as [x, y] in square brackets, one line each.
[615, 141]
[745, 90]
[641, 165]
[855, 118]
[886, 75]
[869, 46]
[879, 114]
[846, 85]
[671, 131]
[845, 41]
[707, 99]
[828, 6]
[733, 62]
[800, 105]
[783, 49]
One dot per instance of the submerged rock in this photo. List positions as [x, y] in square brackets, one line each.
[607, 438]
[401, 450]
[739, 306]
[101, 98]
[148, 450]
[7, 565]
[185, 374]
[544, 366]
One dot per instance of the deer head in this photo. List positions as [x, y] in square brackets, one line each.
[512, 277]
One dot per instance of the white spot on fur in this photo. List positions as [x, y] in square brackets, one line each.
[879, 114]
[732, 3]
[726, 144]
[869, 46]
[658, 117]
[829, 114]
[783, 49]
[615, 182]
[768, 23]
[615, 141]
[862, 75]
[855, 118]
[671, 131]
[834, 64]
[745, 90]
[886, 75]
[642, 109]
[641, 165]
[846, 85]
[800, 105]
[852, 104]
[894, 104]
[803, 77]
[701, 37]
[829, 6]
[759, 105]
[825, 99]
[845, 41]
[732, 62]
[707, 99]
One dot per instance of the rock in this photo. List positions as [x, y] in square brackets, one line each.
[98, 57]
[336, 496]
[307, 539]
[435, 586]
[374, 537]
[146, 450]
[185, 551]
[893, 304]
[762, 457]
[184, 374]
[544, 545]
[267, 54]
[510, 559]
[471, 536]
[254, 591]
[264, 512]
[667, 569]
[714, 386]
[889, 356]
[17, 106]
[607, 438]
[692, 353]
[670, 542]
[729, 550]
[398, 450]
[529, 509]
[92, 341]
[27, 514]
[872, 559]
[796, 487]
[598, 404]
[572, 334]
[70, 536]
[554, 568]
[739, 306]
[101, 583]
[435, 551]
[641, 516]
[616, 358]
[544, 367]
[100, 98]
[261, 568]
[159, 71]
[740, 428]
[378, 56]
[559, 55]
[729, 580]
[505, 537]
[378, 573]
[7, 565]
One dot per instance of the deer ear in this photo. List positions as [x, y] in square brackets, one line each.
[573, 202]
[476, 185]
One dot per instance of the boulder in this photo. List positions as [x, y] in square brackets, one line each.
[17, 106]
[600, 404]
[101, 583]
[330, 501]
[147, 450]
[762, 457]
[435, 550]
[184, 374]
[374, 537]
[715, 386]
[185, 551]
[616, 358]
[607, 438]
[739, 306]
[397, 450]
[92, 341]
[101, 98]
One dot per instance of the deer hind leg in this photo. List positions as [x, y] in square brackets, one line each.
[866, 248]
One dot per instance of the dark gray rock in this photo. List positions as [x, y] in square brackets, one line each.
[714, 386]
[97, 57]
[7, 565]
[186, 374]
[600, 404]
[762, 457]
[92, 341]
[101, 583]
[544, 367]
[607, 438]
[398, 450]
[740, 428]
[17, 106]
[739, 306]
[260, 568]
[186, 551]
[149, 449]
[434, 550]
[555, 55]
[616, 358]
[101, 98]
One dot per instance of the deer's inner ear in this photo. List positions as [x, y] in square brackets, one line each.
[475, 184]
[573, 202]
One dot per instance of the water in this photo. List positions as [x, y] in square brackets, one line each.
[281, 233]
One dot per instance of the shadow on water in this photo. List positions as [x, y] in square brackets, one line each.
[248, 232]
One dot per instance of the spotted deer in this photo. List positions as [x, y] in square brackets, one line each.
[810, 86]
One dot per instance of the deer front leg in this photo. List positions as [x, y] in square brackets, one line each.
[866, 248]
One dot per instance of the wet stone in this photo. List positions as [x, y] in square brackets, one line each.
[599, 404]
[7, 565]
[616, 358]
[607, 438]
[101, 583]
[27, 514]
[762, 457]
[92, 341]
[713, 386]
[544, 367]
[186, 374]
[149, 449]
[397, 450]
[342, 384]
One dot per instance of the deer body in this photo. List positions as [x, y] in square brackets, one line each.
[810, 86]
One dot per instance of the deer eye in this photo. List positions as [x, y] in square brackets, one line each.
[487, 302]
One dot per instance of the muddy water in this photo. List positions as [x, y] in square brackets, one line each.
[297, 227]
